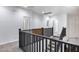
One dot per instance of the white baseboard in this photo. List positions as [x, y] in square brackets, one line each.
[8, 42]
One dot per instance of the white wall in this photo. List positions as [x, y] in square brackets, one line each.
[36, 21]
[11, 19]
[73, 25]
[62, 22]
[73, 28]
[8, 25]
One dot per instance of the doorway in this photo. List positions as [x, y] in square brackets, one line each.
[26, 23]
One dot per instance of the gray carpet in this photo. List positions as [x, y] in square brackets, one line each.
[10, 47]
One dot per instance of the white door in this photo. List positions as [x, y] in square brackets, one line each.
[26, 23]
[55, 27]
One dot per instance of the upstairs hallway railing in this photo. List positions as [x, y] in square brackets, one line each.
[30, 42]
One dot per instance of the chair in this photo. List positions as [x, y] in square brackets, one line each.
[62, 35]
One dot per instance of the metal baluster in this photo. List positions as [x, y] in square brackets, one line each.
[42, 44]
[55, 46]
[64, 47]
[27, 41]
[35, 43]
[50, 46]
[75, 48]
[46, 44]
[61, 47]
[39, 44]
[32, 44]
[23, 40]
[69, 48]
[20, 38]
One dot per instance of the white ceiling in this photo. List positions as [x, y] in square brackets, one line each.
[55, 9]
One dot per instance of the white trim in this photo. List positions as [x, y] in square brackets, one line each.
[8, 42]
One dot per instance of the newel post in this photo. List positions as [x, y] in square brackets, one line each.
[19, 38]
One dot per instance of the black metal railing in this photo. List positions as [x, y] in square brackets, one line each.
[30, 42]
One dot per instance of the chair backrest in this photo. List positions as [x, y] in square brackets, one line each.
[63, 33]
